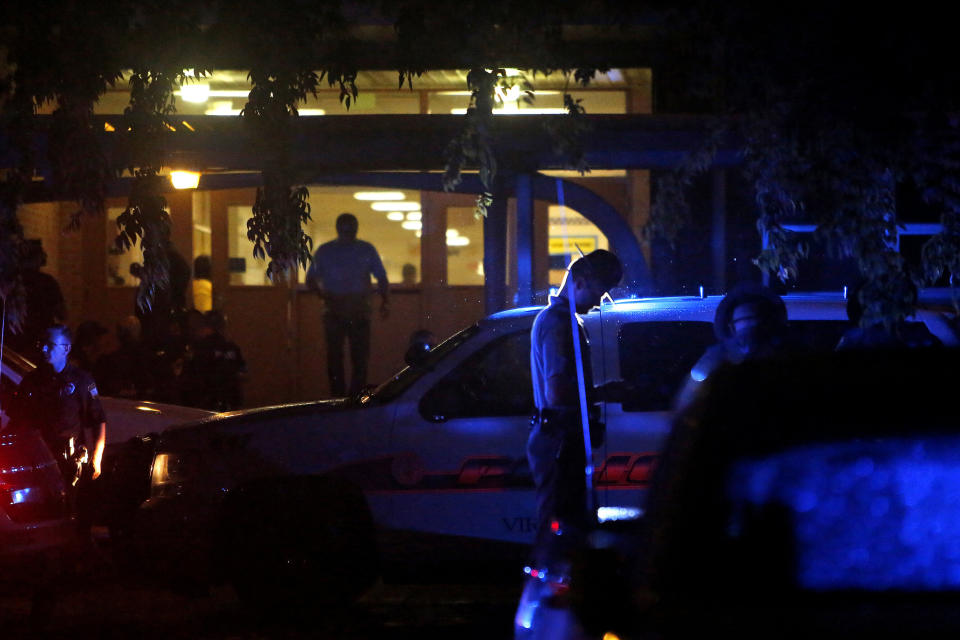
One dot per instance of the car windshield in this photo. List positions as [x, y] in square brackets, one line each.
[398, 383]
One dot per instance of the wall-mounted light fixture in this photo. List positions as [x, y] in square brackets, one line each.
[185, 179]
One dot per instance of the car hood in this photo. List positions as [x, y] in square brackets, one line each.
[130, 418]
[267, 414]
[304, 437]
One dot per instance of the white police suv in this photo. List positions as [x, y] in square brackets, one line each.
[428, 470]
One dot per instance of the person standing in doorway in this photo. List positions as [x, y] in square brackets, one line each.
[341, 272]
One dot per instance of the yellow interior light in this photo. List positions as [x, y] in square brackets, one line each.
[395, 206]
[379, 195]
[169, 127]
[185, 179]
[187, 125]
[108, 127]
[610, 635]
[411, 225]
[195, 92]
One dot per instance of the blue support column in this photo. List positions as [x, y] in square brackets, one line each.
[523, 191]
[495, 254]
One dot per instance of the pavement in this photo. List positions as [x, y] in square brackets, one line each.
[99, 602]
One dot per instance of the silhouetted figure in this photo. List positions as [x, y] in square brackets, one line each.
[341, 271]
[89, 345]
[421, 342]
[750, 323]
[900, 334]
[190, 381]
[129, 371]
[202, 284]
[220, 366]
[44, 301]
[555, 448]
[168, 301]
[408, 275]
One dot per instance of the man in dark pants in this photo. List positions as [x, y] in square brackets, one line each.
[344, 267]
[62, 403]
[555, 448]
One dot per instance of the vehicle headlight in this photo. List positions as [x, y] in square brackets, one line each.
[170, 471]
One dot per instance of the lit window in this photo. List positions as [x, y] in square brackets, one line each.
[398, 245]
[570, 233]
[244, 268]
[464, 237]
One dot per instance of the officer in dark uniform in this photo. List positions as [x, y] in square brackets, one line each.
[221, 369]
[61, 402]
[555, 448]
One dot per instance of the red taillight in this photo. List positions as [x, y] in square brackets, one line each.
[31, 488]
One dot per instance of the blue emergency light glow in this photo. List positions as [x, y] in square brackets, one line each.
[616, 514]
[869, 514]
[19, 496]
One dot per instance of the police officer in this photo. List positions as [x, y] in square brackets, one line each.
[61, 402]
[555, 448]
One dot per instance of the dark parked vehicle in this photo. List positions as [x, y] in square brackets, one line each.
[34, 519]
[817, 496]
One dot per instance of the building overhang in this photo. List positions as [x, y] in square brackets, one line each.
[219, 147]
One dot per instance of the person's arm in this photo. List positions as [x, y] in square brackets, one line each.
[96, 420]
[97, 457]
[313, 274]
[383, 285]
[561, 391]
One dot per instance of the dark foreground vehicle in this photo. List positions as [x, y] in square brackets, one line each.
[33, 512]
[815, 497]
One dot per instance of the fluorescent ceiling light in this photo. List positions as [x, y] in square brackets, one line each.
[395, 206]
[311, 112]
[458, 241]
[203, 92]
[185, 179]
[412, 225]
[379, 195]
[528, 111]
[222, 108]
[396, 216]
[452, 233]
[195, 92]
[415, 215]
